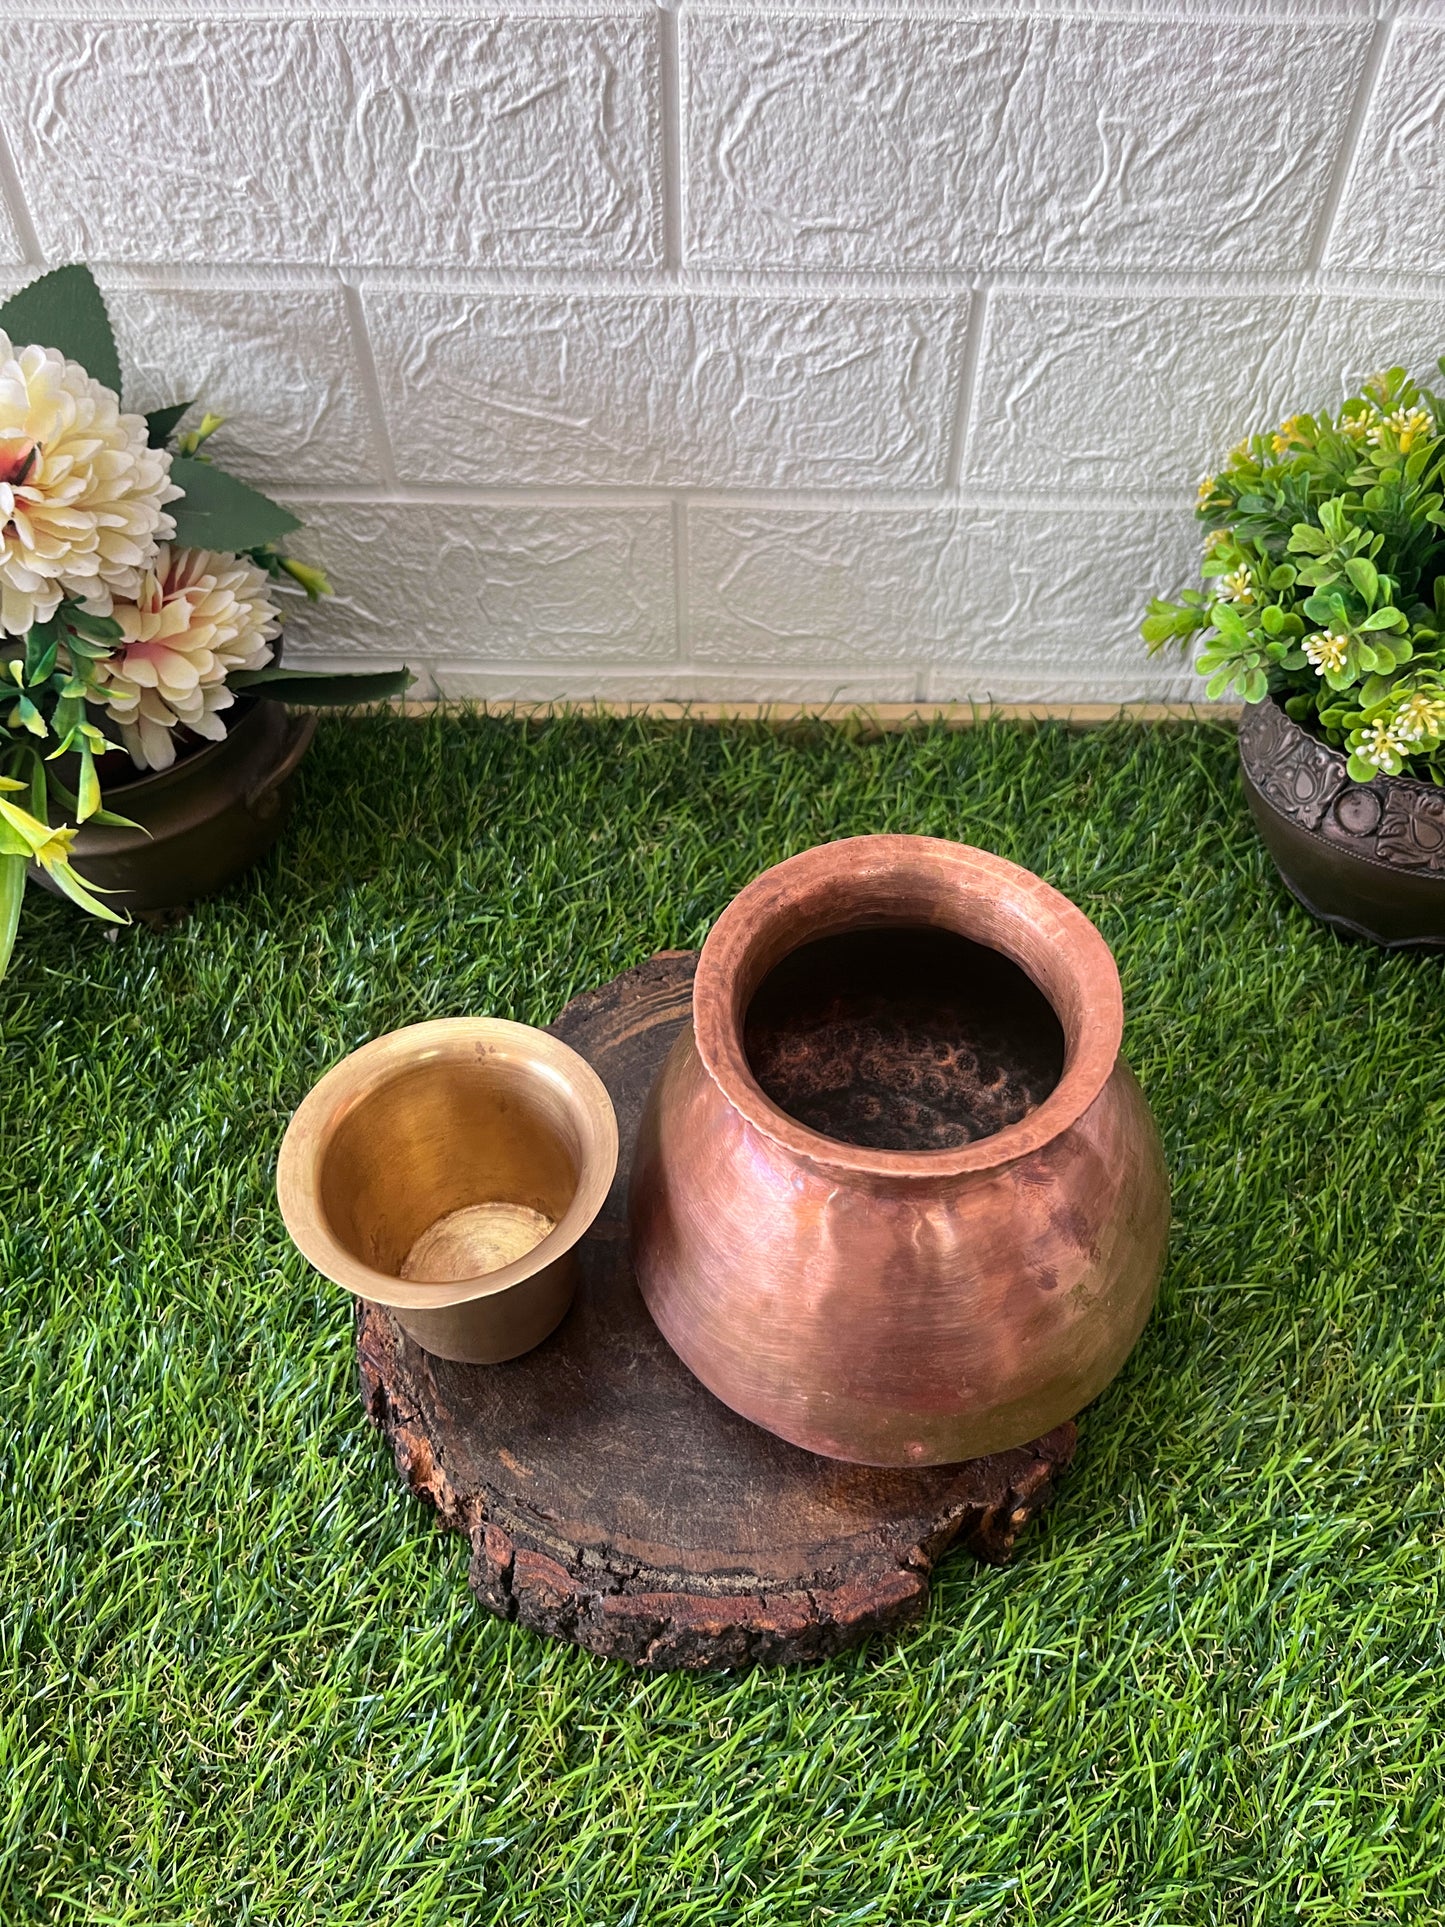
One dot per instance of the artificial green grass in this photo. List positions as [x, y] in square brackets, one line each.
[241, 1677]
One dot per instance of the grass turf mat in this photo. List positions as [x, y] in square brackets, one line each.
[243, 1680]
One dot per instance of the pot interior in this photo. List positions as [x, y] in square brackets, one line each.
[902, 1039]
[451, 1168]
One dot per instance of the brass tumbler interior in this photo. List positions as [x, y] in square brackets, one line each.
[448, 1171]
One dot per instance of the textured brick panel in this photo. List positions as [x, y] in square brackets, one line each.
[10, 248]
[1392, 215]
[835, 585]
[1057, 599]
[1008, 142]
[584, 585]
[1150, 391]
[653, 684]
[980, 590]
[1129, 391]
[707, 390]
[276, 362]
[371, 141]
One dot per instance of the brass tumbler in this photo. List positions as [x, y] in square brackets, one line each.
[448, 1171]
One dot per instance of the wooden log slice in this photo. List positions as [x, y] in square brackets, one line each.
[610, 1500]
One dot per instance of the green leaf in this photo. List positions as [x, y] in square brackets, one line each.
[312, 580]
[89, 798]
[1386, 619]
[12, 893]
[65, 310]
[1170, 622]
[40, 655]
[1305, 539]
[94, 628]
[162, 423]
[309, 690]
[1365, 577]
[218, 512]
[65, 879]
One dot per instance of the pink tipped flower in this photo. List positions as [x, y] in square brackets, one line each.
[198, 615]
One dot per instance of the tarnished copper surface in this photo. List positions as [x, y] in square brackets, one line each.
[880, 1302]
[906, 1040]
[448, 1171]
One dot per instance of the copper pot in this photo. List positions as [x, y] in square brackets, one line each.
[448, 1171]
[867, 1300]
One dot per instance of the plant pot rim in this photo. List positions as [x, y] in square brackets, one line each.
[1406, 784]
[874, 882]
[364, 1072]
[149, 782]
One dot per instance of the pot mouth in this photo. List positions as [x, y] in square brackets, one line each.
[893, 882]
[198, 755]
[426, 1126]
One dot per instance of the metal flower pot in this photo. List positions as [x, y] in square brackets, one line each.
[897, 1197]
[1367, 858]
[204, 821]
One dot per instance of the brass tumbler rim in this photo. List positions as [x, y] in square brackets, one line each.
[415, 1126]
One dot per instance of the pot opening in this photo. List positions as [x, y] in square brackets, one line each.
[908, 1038]
[450, 1170]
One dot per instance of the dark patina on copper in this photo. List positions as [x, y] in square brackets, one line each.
[903, 1040]
[1367, 858]
[887, 1304]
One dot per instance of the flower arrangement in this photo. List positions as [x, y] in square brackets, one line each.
[141, 586]
[1324, 569]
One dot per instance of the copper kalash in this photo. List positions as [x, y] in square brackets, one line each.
[897, 1196]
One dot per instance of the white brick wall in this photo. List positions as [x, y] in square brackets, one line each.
[807, 352]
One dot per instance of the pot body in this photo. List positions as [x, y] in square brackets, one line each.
[204, 821]
[1367, 858]
[896, 1309]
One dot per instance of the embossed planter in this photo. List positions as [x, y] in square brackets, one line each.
[1367, 858]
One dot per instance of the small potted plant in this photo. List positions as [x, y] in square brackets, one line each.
[143, 748]
[1324, 610]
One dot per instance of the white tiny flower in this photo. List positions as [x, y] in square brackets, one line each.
[198, 615]
[1327, 651]
[1238, 587]
[1408, 425]
[82, 495]
[1381, 748]
[1417, 717]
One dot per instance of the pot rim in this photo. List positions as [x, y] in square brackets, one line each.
[146, 782]
[364, 1071]
[826, 891]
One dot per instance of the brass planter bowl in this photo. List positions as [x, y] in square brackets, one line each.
[1366, 858]
[204, 821]
[898, 1306]
[448, 1171]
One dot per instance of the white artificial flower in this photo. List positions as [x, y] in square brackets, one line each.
[1407, 425]
[197, 616]
[1381, 747]
[1417, 717]
[1327, 651]
[1238, 587]
[82, 495]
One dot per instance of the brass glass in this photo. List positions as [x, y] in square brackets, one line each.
[448, 1171]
